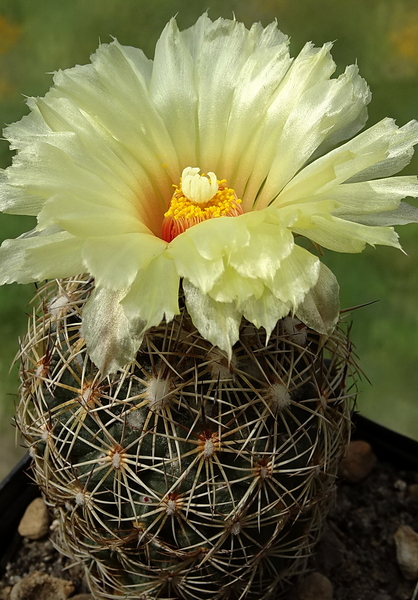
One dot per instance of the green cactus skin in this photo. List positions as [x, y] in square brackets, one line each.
[185, 476]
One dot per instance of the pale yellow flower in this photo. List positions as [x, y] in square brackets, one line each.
[244, 140]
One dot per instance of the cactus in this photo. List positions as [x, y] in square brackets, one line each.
[186, 402]
[185, 475]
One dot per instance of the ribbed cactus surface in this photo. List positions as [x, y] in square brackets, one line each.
[186, 475]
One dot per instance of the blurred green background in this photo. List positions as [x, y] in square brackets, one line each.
[39, 37]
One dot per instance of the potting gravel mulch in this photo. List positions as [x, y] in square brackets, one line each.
[357, 552]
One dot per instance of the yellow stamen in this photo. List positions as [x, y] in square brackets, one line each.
[205, 199]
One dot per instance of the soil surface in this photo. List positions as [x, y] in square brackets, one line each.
[357, 552]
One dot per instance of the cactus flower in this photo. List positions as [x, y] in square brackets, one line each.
[202, 167]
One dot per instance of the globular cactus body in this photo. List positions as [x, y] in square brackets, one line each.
[186, 475]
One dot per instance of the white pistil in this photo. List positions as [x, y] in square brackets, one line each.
[198, 188]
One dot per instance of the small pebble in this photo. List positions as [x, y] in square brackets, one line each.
[330, 550]
[357, 463]
[406, 540]
[400, 485]
[35, 522]
[315, 587]
[41, 586]
[5, 593]
[413, 491]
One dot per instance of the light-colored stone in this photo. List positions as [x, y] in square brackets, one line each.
[35, 522]
[406, 540]
[5, 592]
[40, 586]
[315, 587]
[358, 462]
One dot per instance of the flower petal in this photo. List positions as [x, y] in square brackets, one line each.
[16, 200]
[200, 271]
[253, 91]
[39, 257]
[217, 322]
[114, 261]
[344, 163]
[264, 311]
[233, 287]
[220, 50]
[112, 339]
[87, 219]
[347, 236]
[236, 71]
[325, 108]
[404, 214]
[310, 68]
[401, 149]
[115, 90]
[372, 196]
[298, 273]
[154, 293]
[173, 93]
[269, 243]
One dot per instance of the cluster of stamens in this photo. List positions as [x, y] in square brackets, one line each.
[196, 199]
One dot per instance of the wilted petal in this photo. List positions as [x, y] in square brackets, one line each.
[112, 339]
[320, 307]
[218, 322]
